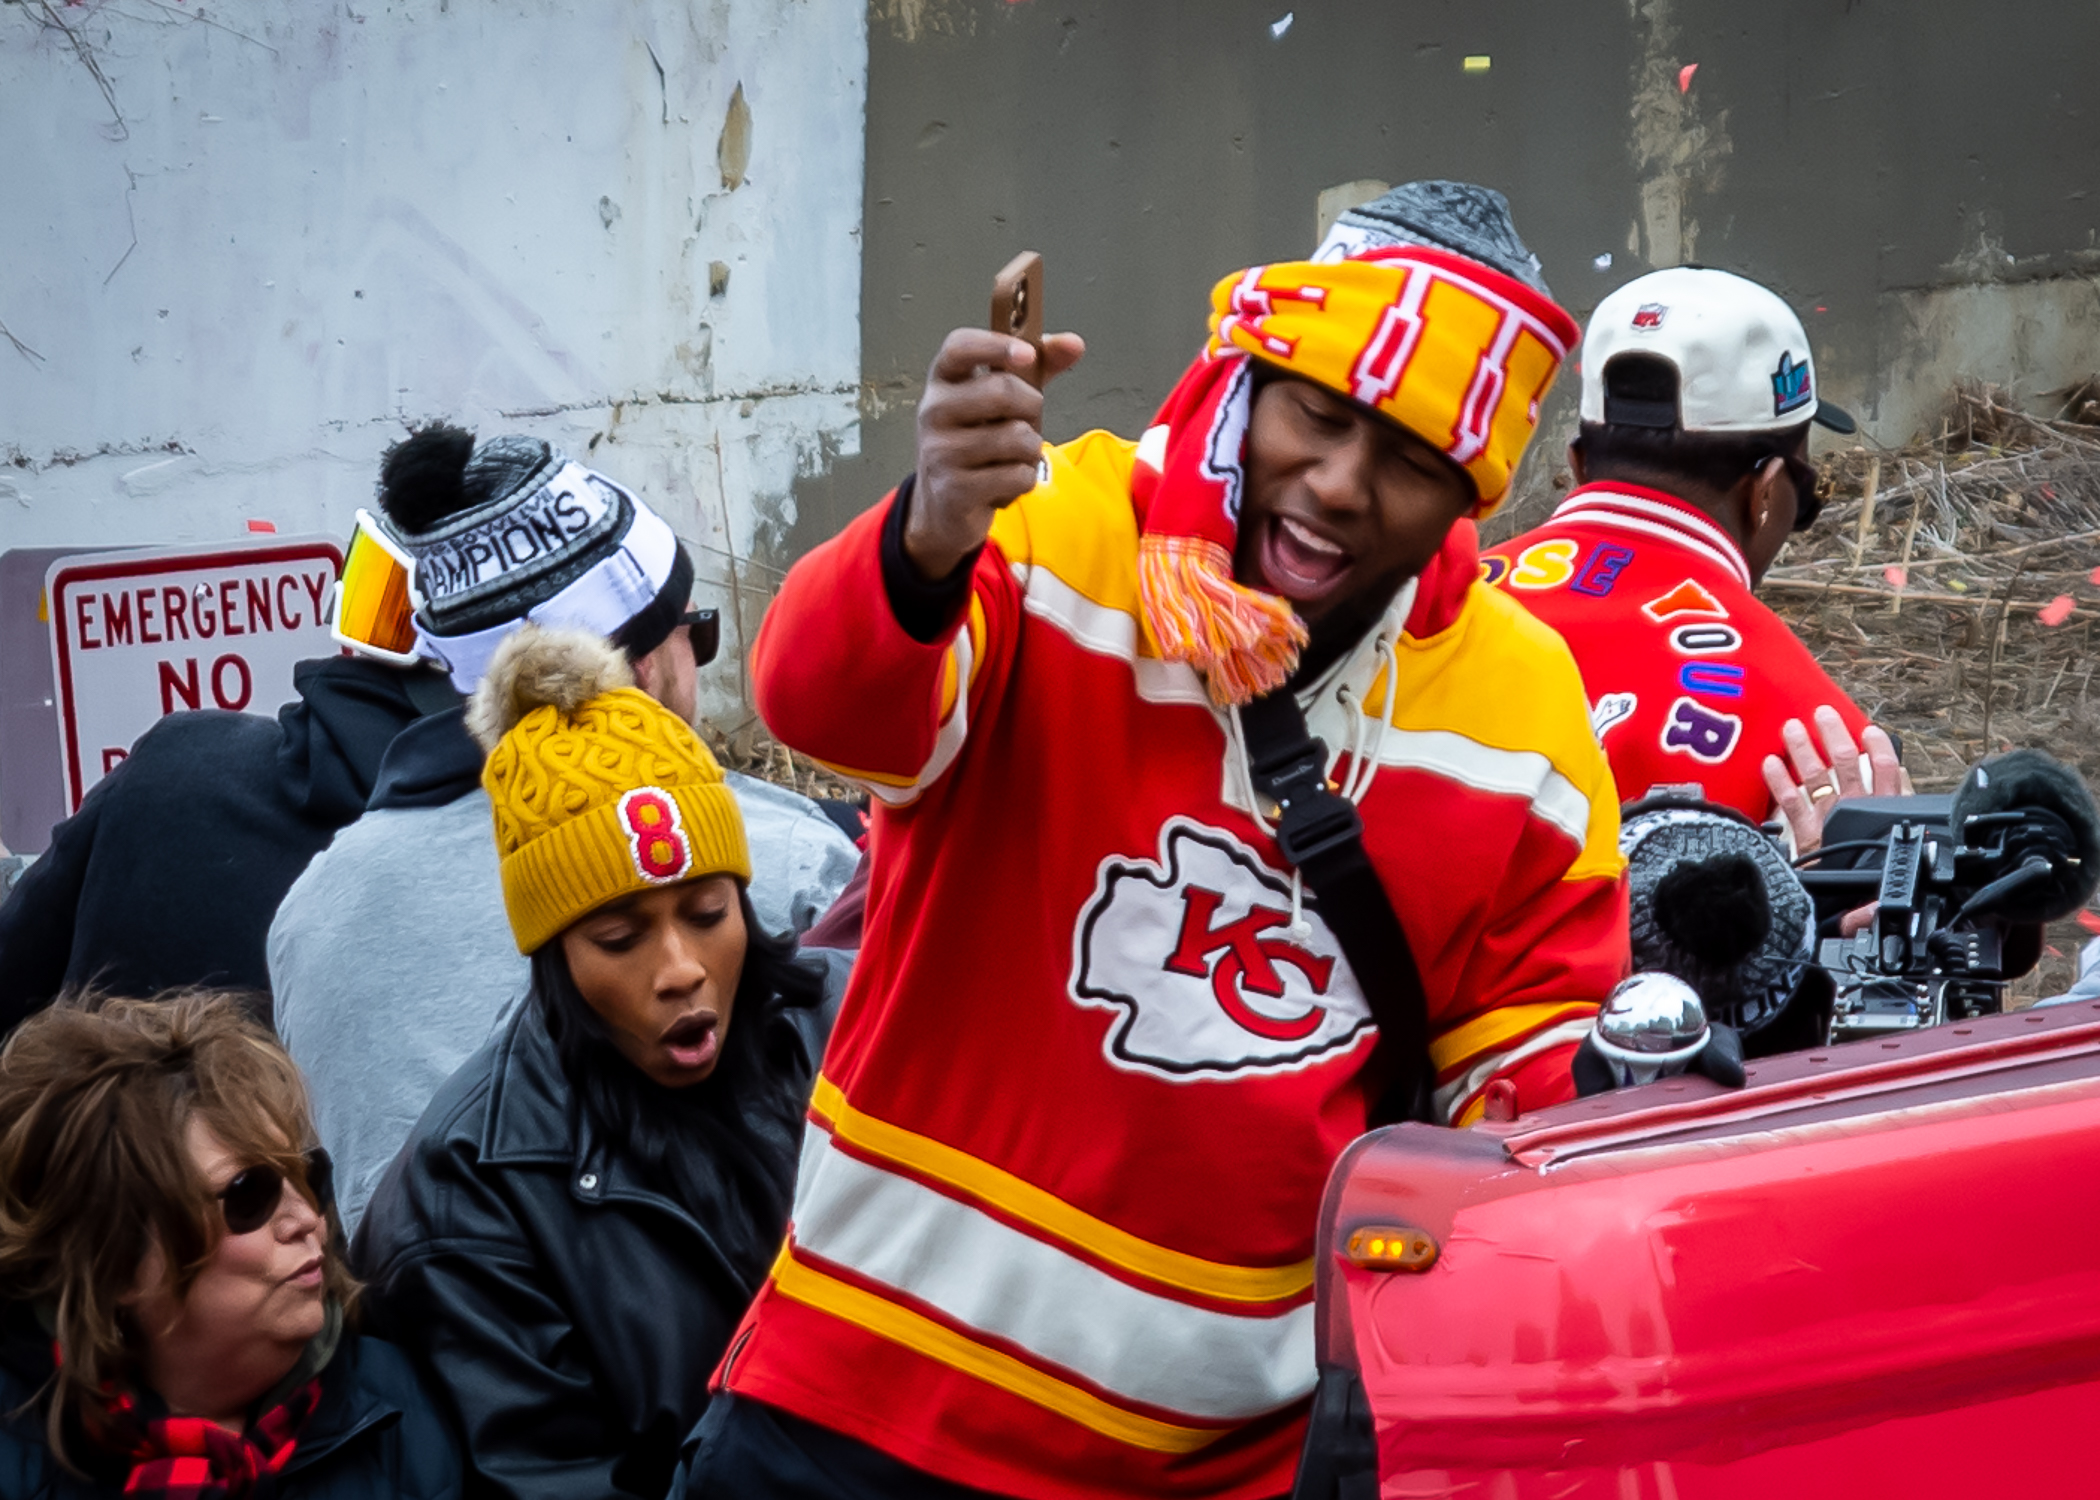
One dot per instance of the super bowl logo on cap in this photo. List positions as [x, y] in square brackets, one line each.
[655, 835]
[1790, 390]
[1650, 315]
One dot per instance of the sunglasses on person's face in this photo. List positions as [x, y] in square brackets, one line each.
[249, 1200]
[703, 627]
[1808, 504]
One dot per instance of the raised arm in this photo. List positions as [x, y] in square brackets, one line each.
[868, 657]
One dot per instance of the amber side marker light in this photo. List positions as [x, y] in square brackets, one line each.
[1390, 1247]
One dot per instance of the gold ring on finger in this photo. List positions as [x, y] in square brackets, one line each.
[1818, 793]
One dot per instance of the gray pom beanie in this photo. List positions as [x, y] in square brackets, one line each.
[1457, 216]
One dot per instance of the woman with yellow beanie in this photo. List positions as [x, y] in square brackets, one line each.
[582, 1214]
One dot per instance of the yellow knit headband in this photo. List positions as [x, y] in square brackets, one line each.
[1452, 350]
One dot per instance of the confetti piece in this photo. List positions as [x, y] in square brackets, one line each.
[1899, 577]
[2094, 576]
[2057, 610]
[1684, 77]
[1278, 28]
[2048, 492]
[1957, 585]
[266, 527]
[1603, 263]
[2053, 951]
[1478, 63]
[2090, 921]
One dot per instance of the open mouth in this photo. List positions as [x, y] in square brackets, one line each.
[1299, 563]
[692, 1040]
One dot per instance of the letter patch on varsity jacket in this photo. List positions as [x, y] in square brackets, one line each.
[1195, 952]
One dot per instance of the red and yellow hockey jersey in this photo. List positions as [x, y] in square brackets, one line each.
[1690, 678]
[1054, 1227]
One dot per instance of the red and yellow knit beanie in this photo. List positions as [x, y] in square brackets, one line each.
[597, 789]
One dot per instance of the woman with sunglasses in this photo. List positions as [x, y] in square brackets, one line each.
[176, 1313]
[585, 1209]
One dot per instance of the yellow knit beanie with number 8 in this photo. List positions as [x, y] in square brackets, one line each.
[598, 790]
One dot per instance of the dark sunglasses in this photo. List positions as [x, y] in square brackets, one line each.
[703, 627]
[250, 1199]
[1808, 504]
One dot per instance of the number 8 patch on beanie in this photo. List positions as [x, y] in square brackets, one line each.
[597, 789]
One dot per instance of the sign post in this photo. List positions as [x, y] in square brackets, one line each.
[136, 636]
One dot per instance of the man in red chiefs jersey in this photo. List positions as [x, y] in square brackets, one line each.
[1054, 1224]
[1692, 470]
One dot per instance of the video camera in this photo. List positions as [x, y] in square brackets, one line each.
[1964, 883]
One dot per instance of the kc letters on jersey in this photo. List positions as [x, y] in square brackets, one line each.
[1196, 952]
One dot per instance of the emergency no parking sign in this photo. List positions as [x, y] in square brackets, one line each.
[136, 636]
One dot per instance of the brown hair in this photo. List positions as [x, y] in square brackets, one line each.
[96, 1096]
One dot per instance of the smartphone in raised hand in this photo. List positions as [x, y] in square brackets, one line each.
[1017, 308]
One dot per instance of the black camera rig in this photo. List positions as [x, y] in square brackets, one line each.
[1963, 885]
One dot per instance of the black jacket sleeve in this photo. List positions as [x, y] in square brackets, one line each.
[924, 610]
[37, 921]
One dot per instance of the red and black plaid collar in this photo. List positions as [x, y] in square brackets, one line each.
[188, 1458]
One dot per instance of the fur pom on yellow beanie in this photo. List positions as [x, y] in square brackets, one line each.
[598, 790]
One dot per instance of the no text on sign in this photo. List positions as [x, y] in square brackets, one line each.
[136, 636]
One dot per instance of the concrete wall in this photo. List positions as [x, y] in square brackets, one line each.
[244, 241]
[283, 229]
[1921, 180]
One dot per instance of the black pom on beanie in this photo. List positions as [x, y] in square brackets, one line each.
[1715, 909]
[422, 477]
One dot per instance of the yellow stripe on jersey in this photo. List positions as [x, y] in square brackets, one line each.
[949, 684]
[1519, 690]
[1053, 1216]
[879, 778]
[1081, 526]
[921, 1334]
[1493, 1030]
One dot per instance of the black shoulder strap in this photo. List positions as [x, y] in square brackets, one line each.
[1319, 832]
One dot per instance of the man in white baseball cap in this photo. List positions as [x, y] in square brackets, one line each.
[1698, 389]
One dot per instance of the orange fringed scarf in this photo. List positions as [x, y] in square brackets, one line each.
[1457, 353]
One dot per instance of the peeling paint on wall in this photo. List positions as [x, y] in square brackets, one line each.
[322, 223]
[910, 20]
[1677, 154]
[733, 150]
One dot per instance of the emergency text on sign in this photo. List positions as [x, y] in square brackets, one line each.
[164, 613]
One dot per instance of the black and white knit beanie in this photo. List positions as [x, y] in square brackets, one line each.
[1714, 902]
[510, 530]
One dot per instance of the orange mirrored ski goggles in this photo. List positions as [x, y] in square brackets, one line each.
[373, 609]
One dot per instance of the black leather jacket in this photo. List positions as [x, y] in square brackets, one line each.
[569, 1315]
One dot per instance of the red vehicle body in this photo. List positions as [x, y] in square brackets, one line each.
[1875, 1270]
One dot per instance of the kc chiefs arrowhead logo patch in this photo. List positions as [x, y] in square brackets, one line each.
[1195, 952]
